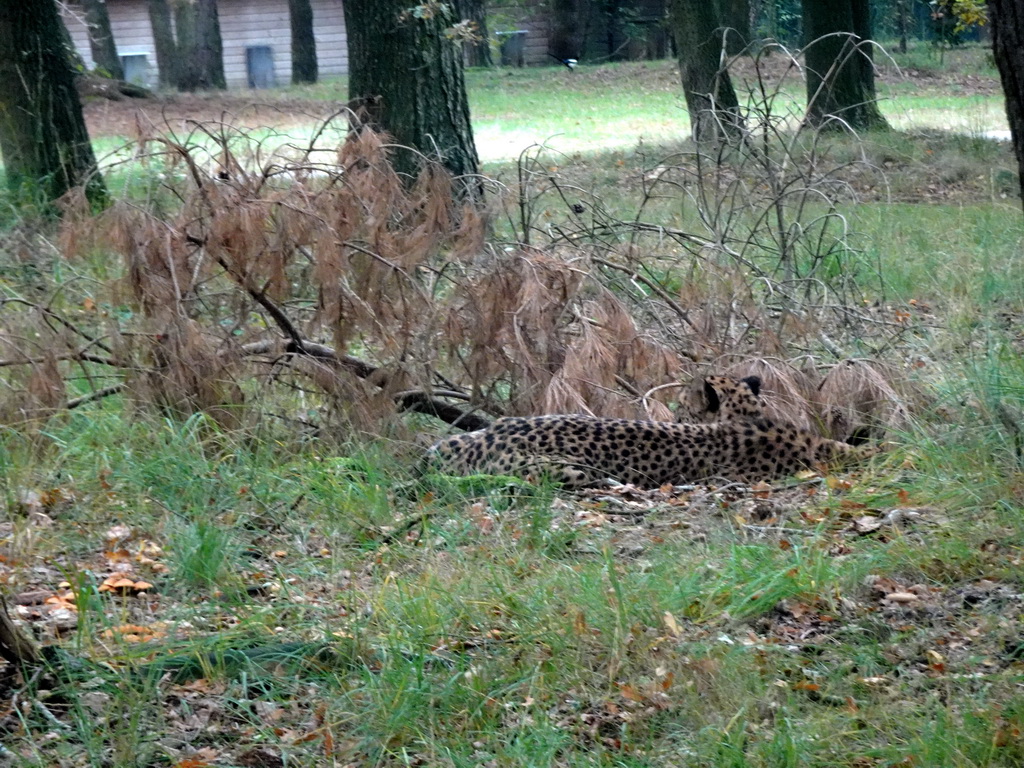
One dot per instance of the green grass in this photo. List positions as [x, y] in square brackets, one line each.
[313, 604]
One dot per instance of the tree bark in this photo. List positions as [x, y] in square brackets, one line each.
[568, 29]
[186, 71]
[840, 70]
[163, 42]
[1007, 18]
[304, 65]
[902, 22]
[710, 97]
[478, 51]
[101, 39]
[200, 58]
[43, 137]
[210, 50]
[735, 17]
[417, 92]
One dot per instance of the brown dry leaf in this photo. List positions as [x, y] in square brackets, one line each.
[672, 624]
[579, 623]
[761, 490]
[629, 692]
[866, 524]
[902, 598]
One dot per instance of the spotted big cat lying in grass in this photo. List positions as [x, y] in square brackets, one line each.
[579, 451]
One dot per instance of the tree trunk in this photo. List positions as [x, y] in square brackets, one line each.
[1008, 49]
[840, 72]
[304, 66]
[210, 49]
[200, 52]
[43, 137]
[187, 75]
[735, 17]
[417, 92]
[710, 97]
[478, 51]
[101, 39]
[568, 29]
[902, 22]
[163, 42]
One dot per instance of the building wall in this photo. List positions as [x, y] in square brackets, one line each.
[243, 23]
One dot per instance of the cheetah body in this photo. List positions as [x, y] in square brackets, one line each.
[579, 451]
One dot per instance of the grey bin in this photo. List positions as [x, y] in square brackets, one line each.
[513, 48]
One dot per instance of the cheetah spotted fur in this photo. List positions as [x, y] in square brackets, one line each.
[741, 444]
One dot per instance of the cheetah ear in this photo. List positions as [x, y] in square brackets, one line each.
[711, 395]
[754, 382]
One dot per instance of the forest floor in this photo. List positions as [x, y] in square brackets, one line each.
[278, 596]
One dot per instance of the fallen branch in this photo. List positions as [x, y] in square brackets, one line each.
[15, 646]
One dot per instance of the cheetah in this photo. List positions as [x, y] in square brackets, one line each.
[740, 445]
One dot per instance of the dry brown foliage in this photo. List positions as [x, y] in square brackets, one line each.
[293, 280]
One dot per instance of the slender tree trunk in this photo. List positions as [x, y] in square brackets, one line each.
[710, 97]
[568, 28]
[417, 92]
[163, 42]
[478, 51]
[304, 65]
[1008, 49]
[840, 72]
[901, 24]
[42, 132]
[735, 17]
[101, 38]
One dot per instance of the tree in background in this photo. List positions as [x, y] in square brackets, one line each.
[478, 49]
[189, 53]
[209, 49]
[568, 28]
[417, 92]
[304, 66]
[710, 97]
[840, 66]
[1007, 18]
[101, 39]
[42, 132]
[163, 42]
[734, 15]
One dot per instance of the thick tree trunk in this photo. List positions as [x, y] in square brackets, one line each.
[101, 39]
[478, 51]
[416, 92]
[187, 75]
[304, 66]
[163, 42]
[200, 52]
[43, 137]
[710, 97]
[210, 50]
[840, 72]
[1008, 49]
[734, 16]
[568, 29]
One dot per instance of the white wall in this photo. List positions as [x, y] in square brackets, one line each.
[243, 23]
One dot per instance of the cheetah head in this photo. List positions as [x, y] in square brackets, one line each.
[724, 398]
